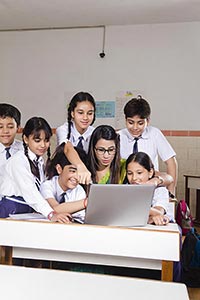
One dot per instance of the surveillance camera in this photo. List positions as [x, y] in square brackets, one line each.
[102, 54]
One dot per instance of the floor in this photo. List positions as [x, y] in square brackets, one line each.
[194, 293]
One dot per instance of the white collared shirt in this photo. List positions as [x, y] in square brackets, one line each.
[62, 132]
[51, 189]
[152, 142]
[18, 180]
[161, 198]
[14, 148]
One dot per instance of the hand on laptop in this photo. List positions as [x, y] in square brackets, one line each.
[158, 220]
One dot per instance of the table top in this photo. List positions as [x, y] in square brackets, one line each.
[22, 283]
[152, 242]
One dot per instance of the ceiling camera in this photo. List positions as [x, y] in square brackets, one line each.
[102, 54]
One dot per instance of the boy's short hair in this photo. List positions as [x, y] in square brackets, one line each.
[137, 107]
[58, 157]
[8, 110]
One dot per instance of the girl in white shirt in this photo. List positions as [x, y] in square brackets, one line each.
[139, 170]
[81, 115]
[62, 190]
[24, 172]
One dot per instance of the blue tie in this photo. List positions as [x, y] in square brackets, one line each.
[135, 146]
[62, 199]
[8, 155]
[80, 144]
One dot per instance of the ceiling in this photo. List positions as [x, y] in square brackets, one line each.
[35, 14]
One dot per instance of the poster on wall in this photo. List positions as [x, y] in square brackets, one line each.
[105, 109]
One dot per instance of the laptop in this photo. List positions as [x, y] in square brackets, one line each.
[119, 204]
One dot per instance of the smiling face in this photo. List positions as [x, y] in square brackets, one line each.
[105, 151]
[83, 115]
[137, 174]
[8, 130]
[37, 144]
[136, 125]
[68, 176]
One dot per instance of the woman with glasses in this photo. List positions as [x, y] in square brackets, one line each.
[105, 163]
[104, 156]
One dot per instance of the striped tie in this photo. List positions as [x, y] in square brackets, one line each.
[37, 182]
[37, 178]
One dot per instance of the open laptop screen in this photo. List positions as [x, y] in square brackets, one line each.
[119, 204]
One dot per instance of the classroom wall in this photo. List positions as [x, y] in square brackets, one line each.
[41, 70]
[188, 158]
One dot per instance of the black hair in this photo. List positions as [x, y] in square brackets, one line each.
[34, 126]
[8, 110]
[143, 160]
[58, 157]
[79, 97]
[108, 133]
[137, 107]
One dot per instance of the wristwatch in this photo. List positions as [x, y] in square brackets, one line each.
[172, 196]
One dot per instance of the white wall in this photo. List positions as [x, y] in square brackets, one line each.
[40, 70]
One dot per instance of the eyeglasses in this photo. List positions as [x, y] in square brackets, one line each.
[102, 151]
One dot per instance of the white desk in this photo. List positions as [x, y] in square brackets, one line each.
[150, 247]
[22, 283]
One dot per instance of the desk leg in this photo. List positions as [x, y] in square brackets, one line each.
[187, 192]
[6, 255]
[167, 270]
[197, 219]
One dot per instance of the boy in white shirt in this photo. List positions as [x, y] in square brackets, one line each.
[140, 136]
[10, 118]
[62, 190]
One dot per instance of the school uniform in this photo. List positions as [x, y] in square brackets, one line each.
[52, 189]
[161, 198]
[18, 181]
[13, 148]
[62, 132]
[106, 178]
[152, 142]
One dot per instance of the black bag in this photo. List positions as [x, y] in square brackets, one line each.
[190, 257]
